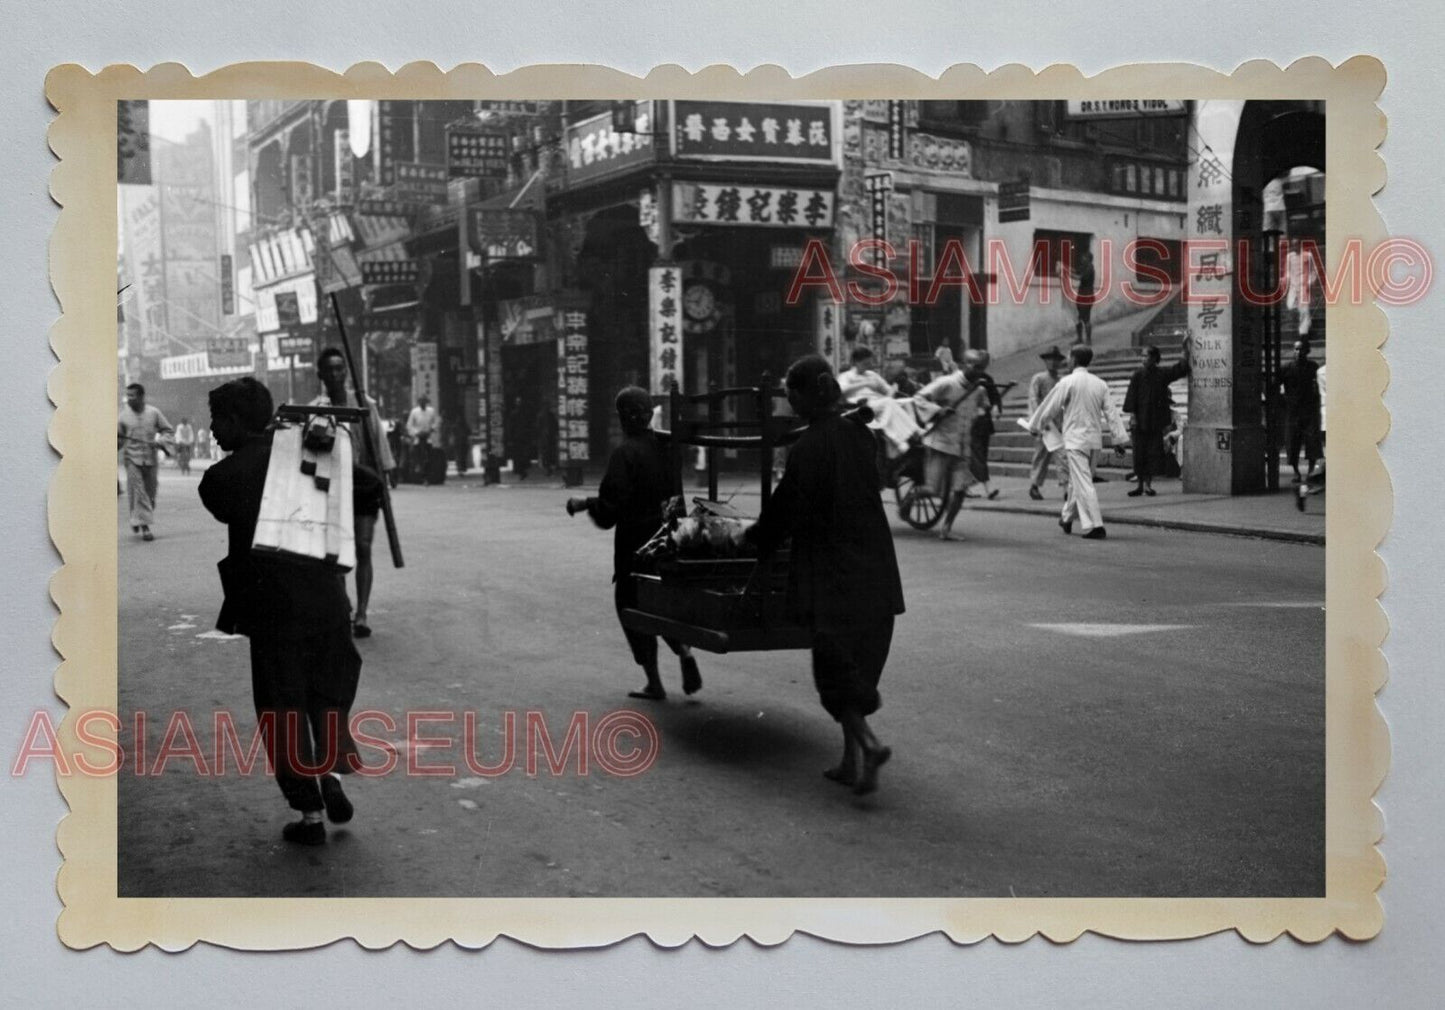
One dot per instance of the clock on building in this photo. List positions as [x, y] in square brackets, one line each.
[699, 302]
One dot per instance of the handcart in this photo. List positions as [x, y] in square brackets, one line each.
[722, 604]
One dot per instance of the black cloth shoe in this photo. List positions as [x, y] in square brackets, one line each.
[1036, 494]
[1136, 492]
[146, 534]
[691, 676]
[1097, 533]
[305, 833]
[1067, 527]
[338, 807]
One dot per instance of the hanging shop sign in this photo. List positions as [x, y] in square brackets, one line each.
[228, 287]
[425, 380]
[664, 299]
[417, 182]
[1013, 201]
[573, 441]
[756, 131]
[880, 191]
[474, 152]
[302, 345]
[897, 130]
[596, 150]
[503, 233]
[1123, 108]
[401, 321]
[390, 272]
[763, 206]
[383, 208]
[224, 353]
[198, 365]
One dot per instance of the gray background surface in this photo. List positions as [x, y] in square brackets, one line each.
[1400, 968]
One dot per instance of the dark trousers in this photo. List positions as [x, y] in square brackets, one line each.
[643, 646]
[1304, 432]
[304, 687]
[848, 662]
[1148, 453]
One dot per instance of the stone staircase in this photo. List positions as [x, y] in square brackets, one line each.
[1012, 447]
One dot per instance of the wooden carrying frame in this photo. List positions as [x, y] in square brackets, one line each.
[306, 511]
[725, 605]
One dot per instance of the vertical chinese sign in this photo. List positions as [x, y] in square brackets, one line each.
[1209, 283]
[424, 381]
[664, 286]
[573, 399]
[829, 332]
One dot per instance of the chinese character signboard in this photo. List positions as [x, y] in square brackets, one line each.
[228, 287]
[763, 206]
[897, 130]
[300, 344]
[1013, 201]
[474, 152]
[595, 149]
[394, 140]
[343, 163]
[419, 183]
[880, 188]
[664, 299]
[424, 378]
[146, 307]
[1124, 108]
[390, 272]
[829, 332]
[573, 439]
[224, 353]
[503, 233]
[755, 131]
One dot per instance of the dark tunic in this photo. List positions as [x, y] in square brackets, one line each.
[304, 664]
[1148, 397]
[843, 578]
[1299, 381]
[980, 434]
[638, 480]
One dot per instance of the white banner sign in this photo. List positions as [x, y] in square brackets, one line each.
[196, 366]
[424, 378]
[1123, 108]
[664, 299]
[759, 206]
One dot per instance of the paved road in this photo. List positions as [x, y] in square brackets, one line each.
[1141, 716]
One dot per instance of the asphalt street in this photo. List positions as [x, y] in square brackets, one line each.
[1141, 716]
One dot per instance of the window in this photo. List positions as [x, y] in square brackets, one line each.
[1051, 244]
[1162, 254]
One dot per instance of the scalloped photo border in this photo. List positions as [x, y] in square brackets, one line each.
[82, 525]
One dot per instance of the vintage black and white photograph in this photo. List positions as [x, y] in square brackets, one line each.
[721, 498]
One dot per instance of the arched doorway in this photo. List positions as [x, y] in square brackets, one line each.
[1278, 172]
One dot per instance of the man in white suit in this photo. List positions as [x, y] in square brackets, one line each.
[1081, 409]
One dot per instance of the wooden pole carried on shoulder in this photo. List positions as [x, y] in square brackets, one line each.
[373, 451]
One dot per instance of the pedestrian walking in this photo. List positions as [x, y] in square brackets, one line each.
[1299, 382]
[1049, 443]
[980, 434]
[367, 473]
[948, 443]
[1151, 407]
[640, 478]
[843, 579]
[1083, 286]
[141, 432]
[421, 426]
[203, 443]
[185, 444]
[1081, 408]
[304, 665]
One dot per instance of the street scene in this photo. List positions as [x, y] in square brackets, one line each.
[539, 492]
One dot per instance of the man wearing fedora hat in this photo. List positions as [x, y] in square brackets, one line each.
[1049, 441]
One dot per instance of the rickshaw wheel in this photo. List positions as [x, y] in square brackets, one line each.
[919, 508]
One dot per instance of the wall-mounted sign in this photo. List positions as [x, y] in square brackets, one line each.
[755, 131]
[1013, 201]
[595, 149]
[288, 310]
[476, 152]
[401, 321]
[765, 206]
[420, 183]
[1123, 108]
[390, 272]
[425, 380]
[228, 287]
[664, 299]
[224, 353]
[299, 344]
[198, 365]
[573, 435]
[383, 208]
[503, 233]
[897, 130]
[880, 190]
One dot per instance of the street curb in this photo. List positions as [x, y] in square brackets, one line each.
[1189, 525]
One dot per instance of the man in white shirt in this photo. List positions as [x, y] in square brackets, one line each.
[1081, 408]
[421, 426]
[141, 430]
[896, 419]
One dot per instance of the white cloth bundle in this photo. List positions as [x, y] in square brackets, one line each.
[298, 517]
